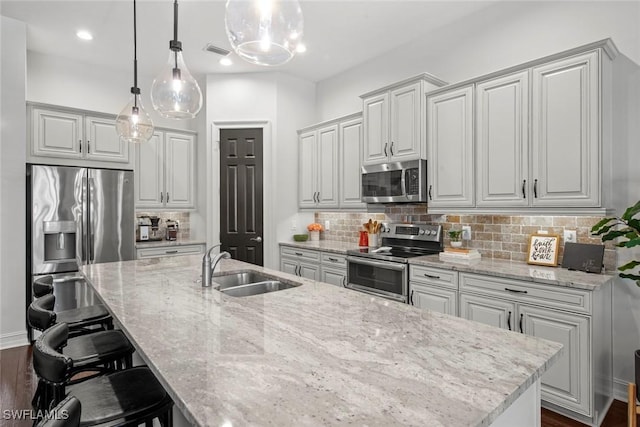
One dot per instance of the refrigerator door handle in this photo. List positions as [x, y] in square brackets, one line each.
[89, 220]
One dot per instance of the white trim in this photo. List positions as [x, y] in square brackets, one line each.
[270, 245]
[13, 339]
[620, 389]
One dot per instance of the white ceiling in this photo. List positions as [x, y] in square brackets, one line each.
[338, 34]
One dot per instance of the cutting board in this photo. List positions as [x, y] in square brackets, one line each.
[583, 257]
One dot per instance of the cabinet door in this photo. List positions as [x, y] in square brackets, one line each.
[450, 148]
[433, 298]
[180, 163]
[310, 271]
[568, 382]
[102, 141]
[490, 311]
[307, 174]
[328, 167]
[405, 123]
[56, 133]
[375, 112]
[502, 141]
[336, 277]
[149, 172]
[350, 161]
[566, 132]
[289, 266]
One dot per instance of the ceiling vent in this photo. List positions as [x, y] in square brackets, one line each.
[210, 47]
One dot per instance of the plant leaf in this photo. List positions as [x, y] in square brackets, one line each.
[631, 211]
[635, 224]
[630, 276]
[603, 230]
[633, 242]
[600, 223]
[613, 234]
[629, 265]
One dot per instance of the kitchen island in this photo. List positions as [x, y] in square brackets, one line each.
[317, 354]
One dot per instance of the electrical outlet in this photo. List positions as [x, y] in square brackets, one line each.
[570, 236]
[466, 232]
[294, 225]
[327, 224]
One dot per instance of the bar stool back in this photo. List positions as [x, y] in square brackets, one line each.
[42, 286]
[65, 414]
[81, 320]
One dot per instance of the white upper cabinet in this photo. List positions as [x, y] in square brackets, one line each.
[450, 148]
[565, 126]
[351, 133]
[165, 171]
[394, 121]
[329, 164]
[502, 141]
[74, 134]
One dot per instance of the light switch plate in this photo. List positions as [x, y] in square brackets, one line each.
[466, 232]
[570, 236]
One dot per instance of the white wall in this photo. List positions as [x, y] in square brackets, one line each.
[508, 34]
[497, 37]
[287, 103]
[13, 137]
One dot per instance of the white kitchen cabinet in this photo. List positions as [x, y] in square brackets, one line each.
[169, 250]
[75, 134]
[502, 141]
[319, 168]
[394, 122]
[334, 268]
[433, 289]
[300, 262]
[165, 169]
[351, 137]
[579, 384]
[329, 164]
[565, 129]
[450, 148]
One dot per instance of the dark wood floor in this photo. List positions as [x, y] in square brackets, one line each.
[18, 382]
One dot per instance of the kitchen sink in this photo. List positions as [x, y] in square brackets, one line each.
[247, 283]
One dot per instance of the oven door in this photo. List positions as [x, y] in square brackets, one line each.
[382, 278]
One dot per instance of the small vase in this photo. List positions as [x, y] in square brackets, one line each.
[314, 236]
[456, 244]
[373, 240]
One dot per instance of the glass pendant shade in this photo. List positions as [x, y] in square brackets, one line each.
[264, 32]
[133, 123]
[175, 94]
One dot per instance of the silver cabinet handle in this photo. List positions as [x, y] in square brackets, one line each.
[256, 239]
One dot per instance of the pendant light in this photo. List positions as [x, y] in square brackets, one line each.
[175, 94]
[133, 124]
[264, 32]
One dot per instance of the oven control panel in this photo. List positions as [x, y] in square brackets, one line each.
[412, 231]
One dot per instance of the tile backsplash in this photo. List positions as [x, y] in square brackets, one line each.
[183, 219]
[494, 236]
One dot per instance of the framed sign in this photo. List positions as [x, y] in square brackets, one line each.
[543, 249]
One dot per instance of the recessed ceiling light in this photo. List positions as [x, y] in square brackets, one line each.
[84, 35]
[301, 48]
[226, 61]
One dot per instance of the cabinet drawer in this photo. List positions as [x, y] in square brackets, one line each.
[300, 254]
[331, 259]
[169, 251]
[434, 276]
[550, 296]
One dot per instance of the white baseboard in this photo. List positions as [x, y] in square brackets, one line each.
[14, 339]
[620, 389]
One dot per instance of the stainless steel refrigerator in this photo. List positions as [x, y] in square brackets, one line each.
[78, 216]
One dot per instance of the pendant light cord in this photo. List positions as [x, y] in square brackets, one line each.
[175, 33]
[135, 89]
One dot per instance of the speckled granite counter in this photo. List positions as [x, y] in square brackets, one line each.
[521, 271]
[316, 354]
[323, 245]
[163, 243]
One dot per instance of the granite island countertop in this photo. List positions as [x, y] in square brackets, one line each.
[315, 354]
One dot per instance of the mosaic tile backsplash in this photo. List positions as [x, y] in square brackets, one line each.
[494, 236]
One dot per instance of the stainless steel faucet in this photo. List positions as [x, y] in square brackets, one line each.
[208, 264]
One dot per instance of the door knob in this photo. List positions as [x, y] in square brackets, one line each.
[256, 239]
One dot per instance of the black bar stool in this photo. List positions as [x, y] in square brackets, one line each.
[100, 353]
[81, 320]
[65, 414]
[130, 397]
[42, 286]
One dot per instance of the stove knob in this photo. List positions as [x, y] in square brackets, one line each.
[423, 231]
[433, 232]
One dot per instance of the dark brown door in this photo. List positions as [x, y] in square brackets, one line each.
[241, 197]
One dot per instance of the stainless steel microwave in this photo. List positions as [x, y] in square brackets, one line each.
[398, 182]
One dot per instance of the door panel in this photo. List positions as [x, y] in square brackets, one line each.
[489, 311]
[179, 161]
[405, 123]
[308, 173]
[328, 167]
[376, 129]
[241, 194]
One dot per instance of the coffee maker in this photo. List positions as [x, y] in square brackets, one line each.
[172, 229]
[156, 232]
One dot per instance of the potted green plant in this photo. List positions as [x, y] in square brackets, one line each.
[454, 236]
[627, 229]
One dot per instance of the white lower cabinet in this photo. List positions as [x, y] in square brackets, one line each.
[579, 384]
[433, 289]
[169, 250]
[300, 262]
[334, 269]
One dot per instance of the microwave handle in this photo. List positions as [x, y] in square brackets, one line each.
[403, 182]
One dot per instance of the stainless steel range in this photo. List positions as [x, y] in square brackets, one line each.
[384, 271]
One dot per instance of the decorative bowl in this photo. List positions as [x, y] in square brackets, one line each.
[300, 237]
